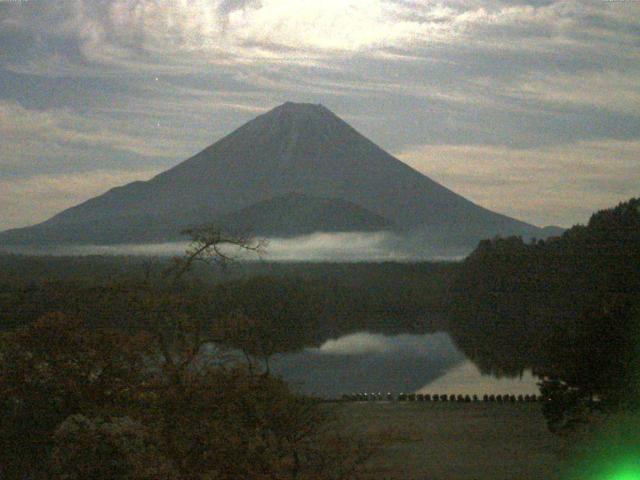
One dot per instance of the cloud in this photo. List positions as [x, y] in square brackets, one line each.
[468, 52]
[356, 344]
[365, 343]
[507, 79]
[42, 138]
[612, 91]
[192, 35]
[466, 379]
[559, 184]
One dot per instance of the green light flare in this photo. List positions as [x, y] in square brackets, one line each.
[607, 469]
[625, 472]
[610, 452]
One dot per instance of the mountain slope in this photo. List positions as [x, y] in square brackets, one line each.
[285, 216]
[300, 148]
[296, 214]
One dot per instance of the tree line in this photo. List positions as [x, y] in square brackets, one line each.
[312, 302]
[567, 307]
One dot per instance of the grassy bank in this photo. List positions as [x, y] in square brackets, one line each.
[449, 441]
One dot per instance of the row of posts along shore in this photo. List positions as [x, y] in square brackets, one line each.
[426, 397]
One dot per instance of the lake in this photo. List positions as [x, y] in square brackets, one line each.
[405, 363]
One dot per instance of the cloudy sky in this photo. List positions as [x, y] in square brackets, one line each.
[531, 108]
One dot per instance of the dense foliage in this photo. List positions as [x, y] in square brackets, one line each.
[567, 307]
[318, 300]
[133, 380]
[84, 403]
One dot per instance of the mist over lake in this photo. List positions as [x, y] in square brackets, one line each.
[314, 247]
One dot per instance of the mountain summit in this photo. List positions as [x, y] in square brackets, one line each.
[296, 148]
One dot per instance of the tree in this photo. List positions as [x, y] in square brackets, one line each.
[99, 448]
[154, 400]
[54, 368]
[265, 315]
[568, 308]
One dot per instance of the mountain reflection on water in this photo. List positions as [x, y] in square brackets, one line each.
[372, 362]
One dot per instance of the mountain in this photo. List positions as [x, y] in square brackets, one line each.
[302, 148]
[297, 214]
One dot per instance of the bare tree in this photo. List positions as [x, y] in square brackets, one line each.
[179, 337]
[210, 244]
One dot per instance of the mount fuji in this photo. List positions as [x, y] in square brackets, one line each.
[294, 170]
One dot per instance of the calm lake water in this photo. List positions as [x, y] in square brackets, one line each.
[371, 362]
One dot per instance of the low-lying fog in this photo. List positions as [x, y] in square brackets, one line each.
[316, 247]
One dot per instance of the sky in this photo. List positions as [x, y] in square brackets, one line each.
[528, 107]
